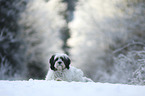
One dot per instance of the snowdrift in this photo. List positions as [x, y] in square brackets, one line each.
[62, 88]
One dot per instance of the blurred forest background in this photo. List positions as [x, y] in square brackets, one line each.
[104, 38]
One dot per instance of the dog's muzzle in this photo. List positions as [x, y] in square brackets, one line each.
[60, 66]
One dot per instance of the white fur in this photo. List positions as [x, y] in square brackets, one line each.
[71, 74]
[64, 73]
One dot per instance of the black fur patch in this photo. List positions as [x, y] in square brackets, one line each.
[52, 62]
[67, 62]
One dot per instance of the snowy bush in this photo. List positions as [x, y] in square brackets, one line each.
[41, 25]
[130, 68]
[7, 71]
[100, 27]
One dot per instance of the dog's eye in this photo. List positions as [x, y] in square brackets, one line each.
[61, 58]
[56, 59]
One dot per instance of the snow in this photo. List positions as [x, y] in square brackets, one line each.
[62, 88]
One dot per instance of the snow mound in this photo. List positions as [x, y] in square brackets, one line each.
[62, 88]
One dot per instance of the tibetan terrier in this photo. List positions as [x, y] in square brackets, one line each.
[60, 70]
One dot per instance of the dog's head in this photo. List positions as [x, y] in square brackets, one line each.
[59, 62]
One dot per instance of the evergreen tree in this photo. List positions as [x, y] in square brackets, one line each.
[12, 64]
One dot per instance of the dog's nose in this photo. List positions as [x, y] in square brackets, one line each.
[59, 62]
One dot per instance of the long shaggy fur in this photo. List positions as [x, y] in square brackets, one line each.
[63, 71]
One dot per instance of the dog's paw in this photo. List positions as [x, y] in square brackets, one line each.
[58, 79]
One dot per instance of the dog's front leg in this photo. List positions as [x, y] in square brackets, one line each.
[58, 79]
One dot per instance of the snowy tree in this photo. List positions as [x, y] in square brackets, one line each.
[41, 26]
[12, 64]
[100, 27]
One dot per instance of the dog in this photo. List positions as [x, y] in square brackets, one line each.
[61, 70]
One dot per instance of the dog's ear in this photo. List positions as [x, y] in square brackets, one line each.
[67, 62]
[51, 61]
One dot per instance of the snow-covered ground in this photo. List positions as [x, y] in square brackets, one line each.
[62, 88]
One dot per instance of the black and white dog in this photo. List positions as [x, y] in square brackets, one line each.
[60, 70]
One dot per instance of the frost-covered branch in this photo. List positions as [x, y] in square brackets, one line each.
[129, 45]
[5, 69]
